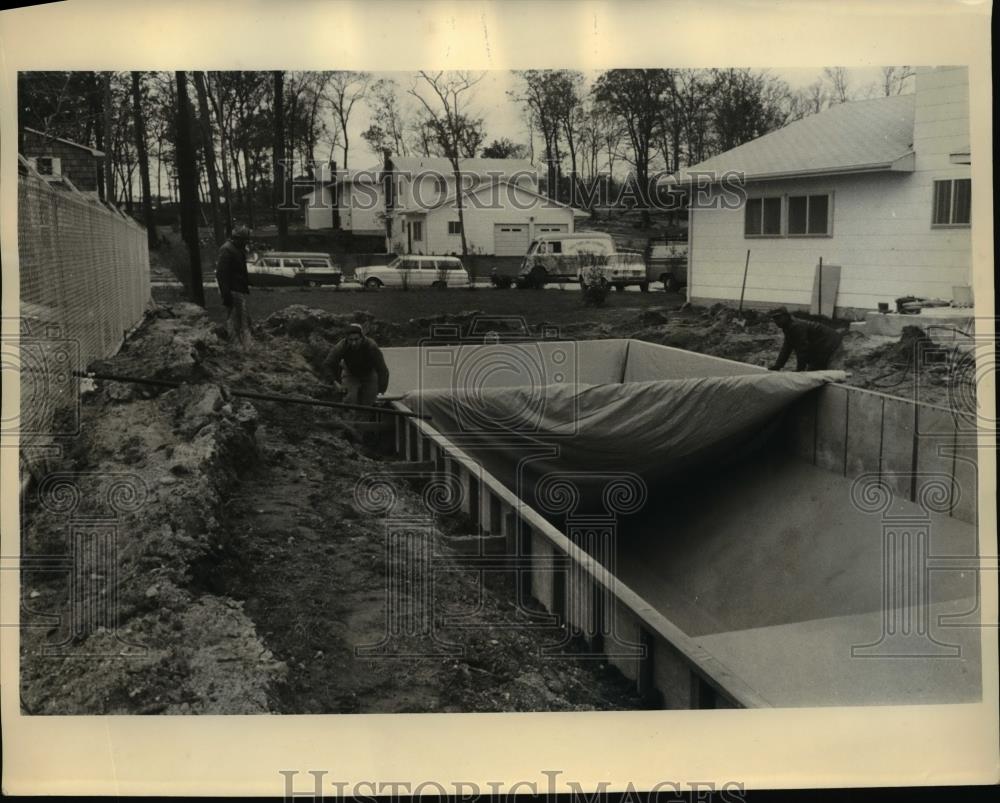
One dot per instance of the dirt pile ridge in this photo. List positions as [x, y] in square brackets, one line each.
[245, 572]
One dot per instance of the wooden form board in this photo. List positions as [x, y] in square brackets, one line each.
[826, 283]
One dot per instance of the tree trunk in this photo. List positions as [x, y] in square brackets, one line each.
[109, 176]
[458, 203]
[208, 147]
[248, 187]
[227, 190]
[188, 179]
[280, 180]
[140, 145]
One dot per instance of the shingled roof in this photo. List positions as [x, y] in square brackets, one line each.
[853, 137]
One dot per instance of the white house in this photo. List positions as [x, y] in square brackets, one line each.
[412, 201]
[356, 196]
[880, 187]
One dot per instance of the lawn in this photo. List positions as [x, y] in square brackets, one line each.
[559, 307]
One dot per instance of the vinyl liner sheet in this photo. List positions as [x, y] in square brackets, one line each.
[653, 429]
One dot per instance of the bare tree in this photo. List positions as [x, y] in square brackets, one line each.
[448, 95]
[187, 171]
[143, 156]
[895, 80]
[106, 112]
[280, 158]
[208, 148]
[390, 129]
[344, 89]
[839, 83]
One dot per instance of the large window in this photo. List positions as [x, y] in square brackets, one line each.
[454, 227]
[808, 215]
[763, 217]
[417, 230]
[789, 216]
[952, 202]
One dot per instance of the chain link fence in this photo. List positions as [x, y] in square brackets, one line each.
[84, 283]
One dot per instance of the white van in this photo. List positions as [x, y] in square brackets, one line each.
[561, 257]
[619, 270]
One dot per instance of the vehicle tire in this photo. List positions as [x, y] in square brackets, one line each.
[620, 288]
[538, 277]
[644, 287]
[439, 285]
[671, 285]
[311, 283]
[373, 283]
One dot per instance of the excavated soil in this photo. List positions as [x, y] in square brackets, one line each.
[246, 575]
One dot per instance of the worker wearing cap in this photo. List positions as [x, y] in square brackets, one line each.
[815, 345]
[358, 361]
[234, 284]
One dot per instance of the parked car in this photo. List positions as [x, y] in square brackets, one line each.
[277, 268]
[561, 257]
[618, 270]
[668, 263]
[414, 270]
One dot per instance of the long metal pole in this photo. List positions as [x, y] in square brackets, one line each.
[249, 394]
[746, 268]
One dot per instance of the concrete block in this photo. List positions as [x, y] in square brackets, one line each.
[898, 435]
[831, 428]
[542, 568]
[864, 433]
[935, 449]
[672, 676]
[580, 601]
[624, 628]
[966, 498]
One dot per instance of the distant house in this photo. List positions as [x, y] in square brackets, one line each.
[412, 202]
[351, 200]
[880, 187]
[58, 160]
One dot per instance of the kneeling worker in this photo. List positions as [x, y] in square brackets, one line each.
[815, 345]
[366, 373]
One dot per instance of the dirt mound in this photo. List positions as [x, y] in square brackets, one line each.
[157, 474]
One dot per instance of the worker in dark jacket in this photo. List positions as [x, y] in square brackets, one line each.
[814, 344]
[357, 367]
[234, 284]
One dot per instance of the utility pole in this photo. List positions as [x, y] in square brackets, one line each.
[140, 145]
[187, 177]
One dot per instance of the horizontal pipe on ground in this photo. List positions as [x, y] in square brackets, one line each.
[249, 394]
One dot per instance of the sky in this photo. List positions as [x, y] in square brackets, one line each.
[503, 118]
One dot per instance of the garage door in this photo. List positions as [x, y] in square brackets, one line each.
[510, 240]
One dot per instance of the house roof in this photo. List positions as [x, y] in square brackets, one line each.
[489, 185]
[416, 165]
[853, 137]
[92, 151]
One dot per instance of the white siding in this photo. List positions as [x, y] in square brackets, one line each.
[362, 208]
[507, 205]
[319, 209]
[881, 235]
